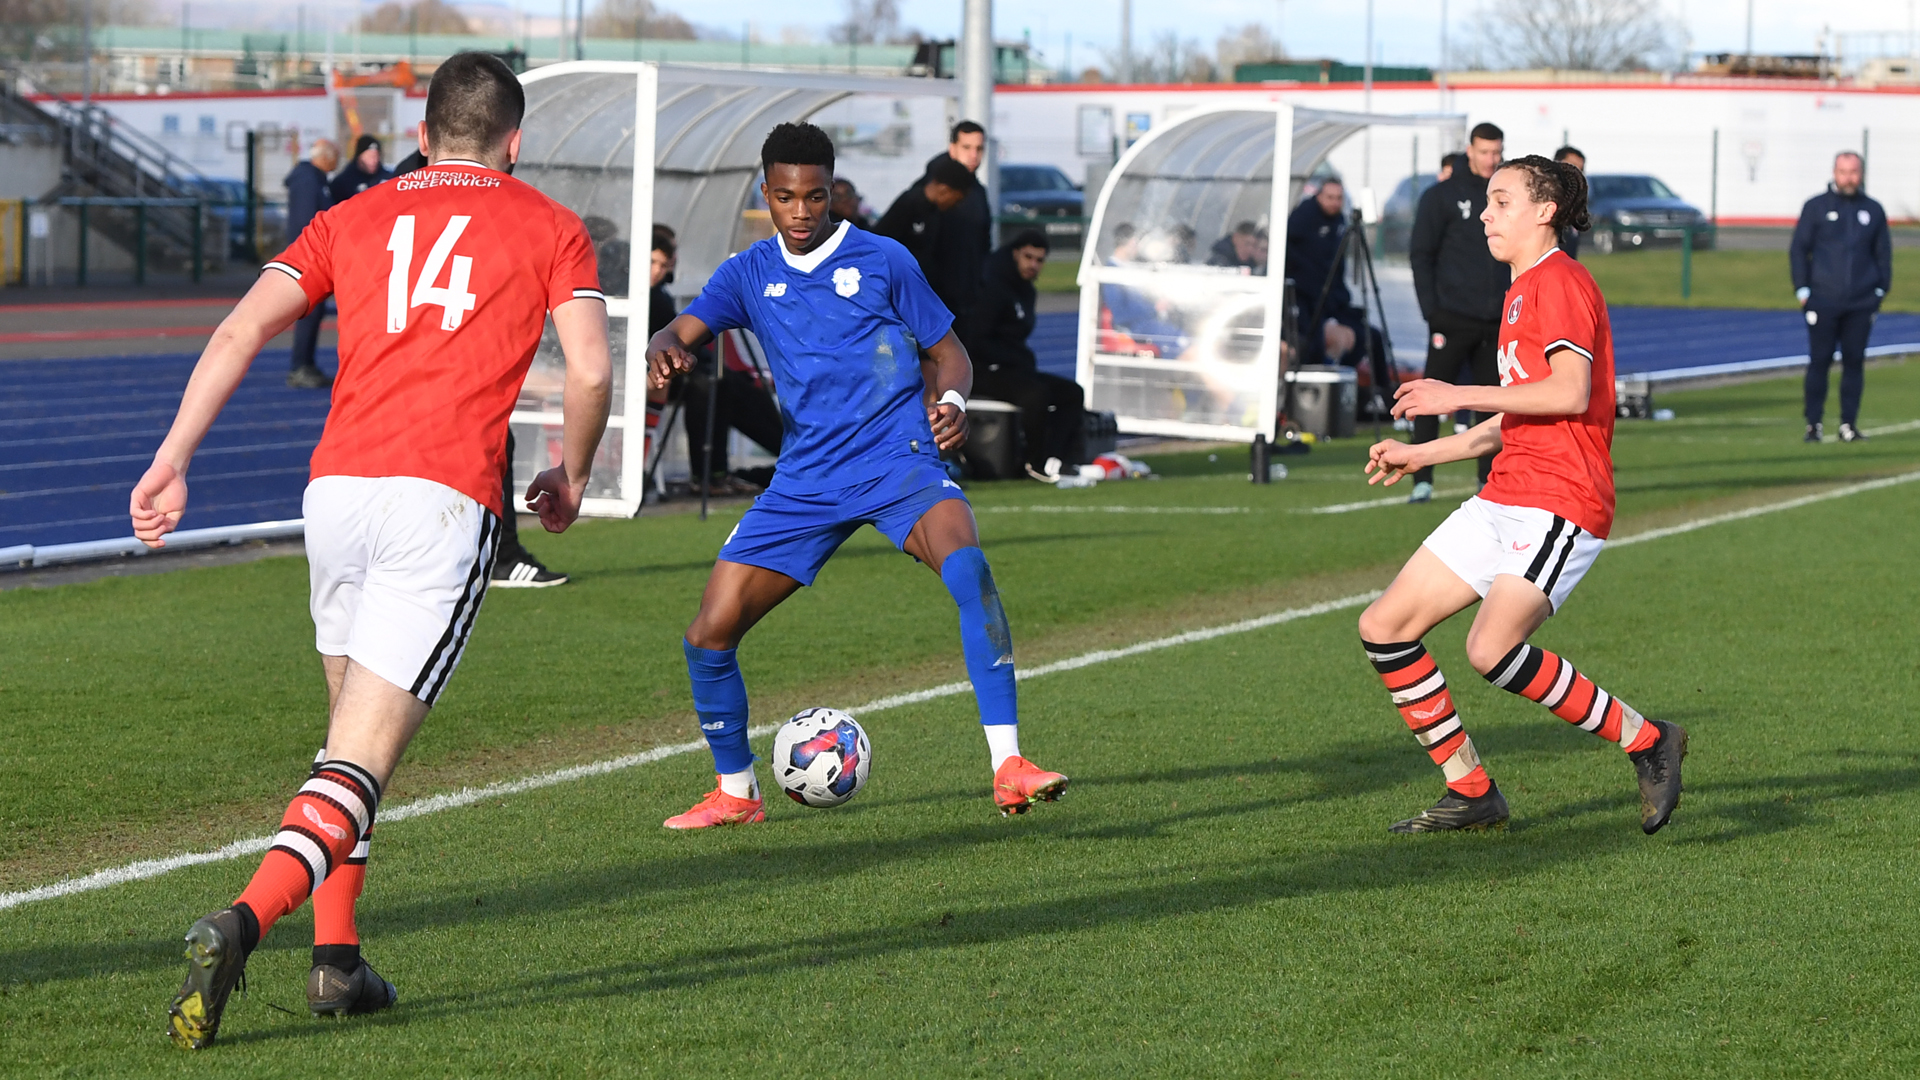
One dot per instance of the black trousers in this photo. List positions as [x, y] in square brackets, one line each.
[509, 551]
[742, 404]
[1459, 346]
[306, 336]
[1053, 413]
[1847, 331]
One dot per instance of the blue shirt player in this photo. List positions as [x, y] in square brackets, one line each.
[844, 316]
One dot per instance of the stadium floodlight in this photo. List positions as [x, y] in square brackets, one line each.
[625, 144]
[1169, 345]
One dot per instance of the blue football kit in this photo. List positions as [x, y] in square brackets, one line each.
[842, 327]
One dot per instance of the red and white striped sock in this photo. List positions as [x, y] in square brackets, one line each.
[322, 826]
[1538, 675]
[1420, 693]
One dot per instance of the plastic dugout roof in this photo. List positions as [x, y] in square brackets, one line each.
[583, 143]
[624, 144]
[1176, 347]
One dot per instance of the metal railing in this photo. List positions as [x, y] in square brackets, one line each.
[82, 204]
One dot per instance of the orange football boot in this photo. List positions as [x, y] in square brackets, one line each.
[1019, 783]
[719, 808]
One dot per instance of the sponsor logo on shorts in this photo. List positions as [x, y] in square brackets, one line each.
[1518, 546]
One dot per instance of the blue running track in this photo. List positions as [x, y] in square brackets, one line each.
[76, 434]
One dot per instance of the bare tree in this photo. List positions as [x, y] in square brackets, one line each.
[1577, 35]
[420, 17]
[1250, 44]
[869, 22]
[1170, 59]
[636, 18]
[48, 29]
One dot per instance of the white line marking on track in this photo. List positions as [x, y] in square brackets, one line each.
[152, 868]
[1369, 504]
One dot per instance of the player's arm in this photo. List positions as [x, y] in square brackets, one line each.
[1566, 392]
[951, 372]
[1391, 459]
[556, 493]
[274, 303]
[670, 352]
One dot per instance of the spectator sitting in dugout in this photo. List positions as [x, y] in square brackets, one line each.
[995, 332]
[844, 204]
[1239, 248]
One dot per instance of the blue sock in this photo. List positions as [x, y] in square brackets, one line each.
[983, 634]
[720, 697]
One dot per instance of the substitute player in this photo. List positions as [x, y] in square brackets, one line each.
[844, 316]
[1523, 543]
[444, 279]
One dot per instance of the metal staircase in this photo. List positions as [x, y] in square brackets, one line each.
[104, 158]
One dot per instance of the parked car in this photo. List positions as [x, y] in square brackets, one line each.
[1038, 191]
[227, 206]
[1639, 211]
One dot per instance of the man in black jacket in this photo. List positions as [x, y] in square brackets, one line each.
[1842, 258]
[1315, 231]
[363, 172]
[995, 332]
[1459, 283]
[917, 219]
[307, 195]
[966, 228]
[1570, 236]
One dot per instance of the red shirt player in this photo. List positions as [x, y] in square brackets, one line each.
[1523, 543]
[444, 281]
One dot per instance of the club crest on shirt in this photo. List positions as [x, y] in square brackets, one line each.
[846, 280]
[1513, 310]
[1865, 218]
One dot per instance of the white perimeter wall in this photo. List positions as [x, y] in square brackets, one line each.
[1776, 145]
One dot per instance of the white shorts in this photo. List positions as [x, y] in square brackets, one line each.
[399, 566]
[1482, 540]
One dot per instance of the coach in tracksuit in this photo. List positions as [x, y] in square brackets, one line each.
[1461, 286]
[1842, 259]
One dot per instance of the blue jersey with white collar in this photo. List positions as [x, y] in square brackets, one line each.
[842, 327]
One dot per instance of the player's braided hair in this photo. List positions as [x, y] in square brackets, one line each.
[1559, 183]
[796, 144]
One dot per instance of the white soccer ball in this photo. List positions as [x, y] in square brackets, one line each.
[821, 757]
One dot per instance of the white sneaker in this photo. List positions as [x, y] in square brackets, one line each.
[1422, 492]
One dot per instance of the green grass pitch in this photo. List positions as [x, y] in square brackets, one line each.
[1217, 894]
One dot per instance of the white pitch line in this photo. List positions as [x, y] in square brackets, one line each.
[1046, 508]
[1369, 504]
[151, 868]
[1890, 429]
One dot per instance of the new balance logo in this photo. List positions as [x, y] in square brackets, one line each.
[717, 725]
[322, 824]
[778, 288]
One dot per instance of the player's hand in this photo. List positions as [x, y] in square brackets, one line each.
[1390, 459]
[949, 426]
[665, 363]
[555, 499]
[157, 503]
[1425, 397]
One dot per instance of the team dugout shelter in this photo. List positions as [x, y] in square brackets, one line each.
[628, 144]
[1171, 345]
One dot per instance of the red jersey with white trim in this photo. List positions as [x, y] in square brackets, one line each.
[1561, 464]
[443, 278]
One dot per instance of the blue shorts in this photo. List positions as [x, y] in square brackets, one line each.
[796, 534]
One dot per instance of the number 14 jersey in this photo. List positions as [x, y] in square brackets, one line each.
[1561, 464]
[443, 278]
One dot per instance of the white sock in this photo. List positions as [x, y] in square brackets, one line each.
[740, 785]
[1003, 742]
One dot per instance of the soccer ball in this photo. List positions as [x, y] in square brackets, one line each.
[821, 757]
